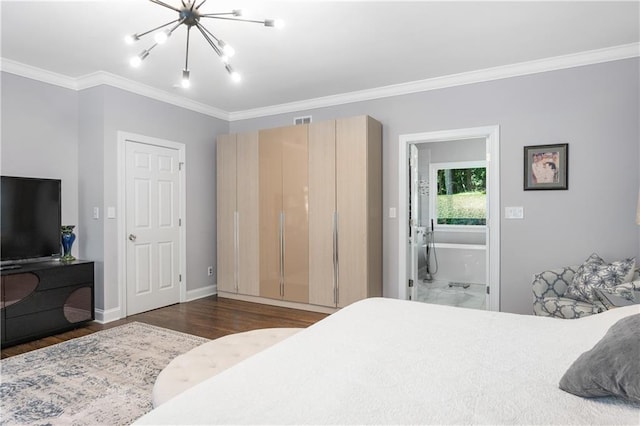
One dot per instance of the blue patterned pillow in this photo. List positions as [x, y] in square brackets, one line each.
[596, 273]
[625, 290]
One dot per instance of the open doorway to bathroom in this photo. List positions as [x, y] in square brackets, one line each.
[450, 196]
[448, 211]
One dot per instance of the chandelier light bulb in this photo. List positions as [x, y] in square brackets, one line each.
[161, 37]
[238, 12]
[135, 61]
[235, 76]
[224, 59]
[276, 23]
[186, 83]
[131, 38]
[229, 51]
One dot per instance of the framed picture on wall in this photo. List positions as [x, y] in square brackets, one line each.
[546, 167]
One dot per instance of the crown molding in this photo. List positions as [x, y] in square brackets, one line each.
[590, 57]
[39, 74]
[489, 74]
[105, 78]
[101, 77]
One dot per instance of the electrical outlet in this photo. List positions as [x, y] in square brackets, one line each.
[210, 270]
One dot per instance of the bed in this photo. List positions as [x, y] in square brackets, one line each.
[387, 361]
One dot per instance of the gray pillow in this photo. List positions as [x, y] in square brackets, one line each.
[612, 367]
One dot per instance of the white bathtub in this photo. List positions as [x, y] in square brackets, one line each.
[464, 263]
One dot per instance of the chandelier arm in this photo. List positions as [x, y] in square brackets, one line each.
[177, 25]
[186, 58]
[157, 28]
[201, 3]
[168, 6]
[206, 37]
[211, 15]
[211, 34]
[217, 16]
[146, 52]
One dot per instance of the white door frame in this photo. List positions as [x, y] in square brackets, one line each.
[492, 136]
[123, 137]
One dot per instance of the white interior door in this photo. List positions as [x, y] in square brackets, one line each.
[413, 221]
[152, 197]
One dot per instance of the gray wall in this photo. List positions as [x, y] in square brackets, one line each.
[593, 108]
[40, 138]
[91, 184]
[54, 132]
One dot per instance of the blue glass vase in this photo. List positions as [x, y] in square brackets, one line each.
[68, 237]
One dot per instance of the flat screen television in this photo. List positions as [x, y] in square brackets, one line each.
[30, 218]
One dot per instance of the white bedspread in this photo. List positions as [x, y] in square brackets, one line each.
[388, 361]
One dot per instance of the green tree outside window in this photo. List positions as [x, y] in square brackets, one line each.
[461, 196]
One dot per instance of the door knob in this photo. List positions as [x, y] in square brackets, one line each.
[132, 237]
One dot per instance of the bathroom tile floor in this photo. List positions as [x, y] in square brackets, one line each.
[440, 293]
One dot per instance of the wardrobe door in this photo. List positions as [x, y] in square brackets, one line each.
[374, 208]
[270, 221]
[225, 212]
[322, 208]
[359, 206]
[295, 202]
[247, 216]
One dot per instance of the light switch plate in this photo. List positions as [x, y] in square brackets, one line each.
[111, 212]
[392, 212]
[514, 212]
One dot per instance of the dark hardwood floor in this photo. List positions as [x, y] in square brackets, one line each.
[209, 317]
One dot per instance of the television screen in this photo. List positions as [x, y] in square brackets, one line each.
[30, 218]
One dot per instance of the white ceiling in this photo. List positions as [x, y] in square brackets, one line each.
[327, 48]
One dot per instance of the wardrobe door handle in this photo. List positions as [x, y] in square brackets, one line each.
[236, 248]
[337, 258]
[282, 219]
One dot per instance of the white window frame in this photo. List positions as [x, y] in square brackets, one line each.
[433, 194]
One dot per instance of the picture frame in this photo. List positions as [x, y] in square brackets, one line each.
[546, 167]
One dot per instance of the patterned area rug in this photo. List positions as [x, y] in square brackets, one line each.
[104, 378]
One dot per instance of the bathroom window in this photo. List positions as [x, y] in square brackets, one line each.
[459, 196]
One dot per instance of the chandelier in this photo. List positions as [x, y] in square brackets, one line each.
[189, 15]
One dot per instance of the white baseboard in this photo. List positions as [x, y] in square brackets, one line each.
[114, 314]
[109, 315]
[201, 292]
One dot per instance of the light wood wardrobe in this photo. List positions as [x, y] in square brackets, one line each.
[237, 213]
[345, 211]
[317, 194]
